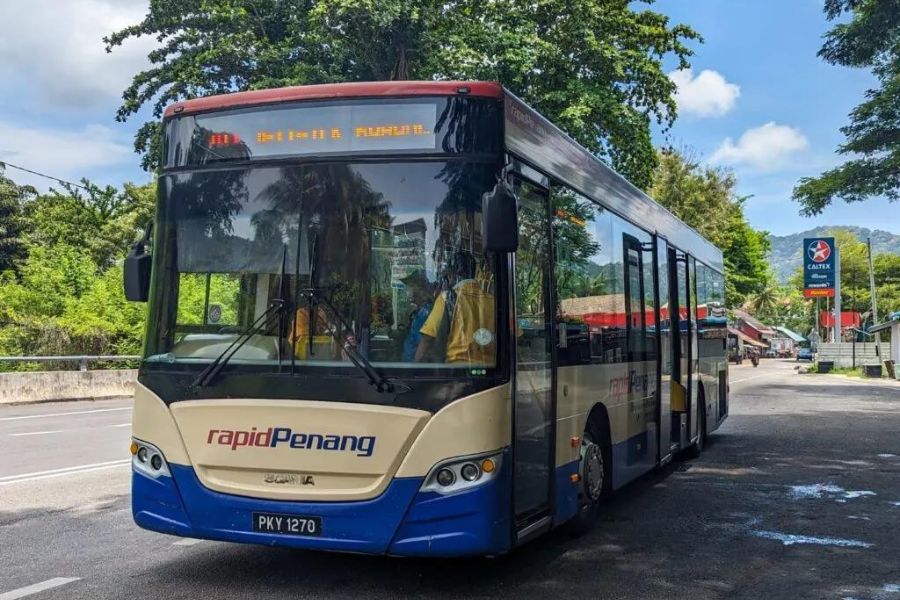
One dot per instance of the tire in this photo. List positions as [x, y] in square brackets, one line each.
[596, 481]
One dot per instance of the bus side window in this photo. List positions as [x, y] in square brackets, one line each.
[583, 253]
[635, 311]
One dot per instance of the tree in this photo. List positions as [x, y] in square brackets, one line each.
[766, 300]
[871, 39]
[100, 221]
[706, 200]
[592, 66]
[67, 296]
[12, 225]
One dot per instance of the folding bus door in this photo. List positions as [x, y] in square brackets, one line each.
[680, 314]
[666, 351]
[533, 406]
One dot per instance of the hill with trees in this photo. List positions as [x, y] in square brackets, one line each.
[786, 254]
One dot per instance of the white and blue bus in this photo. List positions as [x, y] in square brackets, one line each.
[408, 318]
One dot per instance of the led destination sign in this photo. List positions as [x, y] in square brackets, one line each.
[344, 128]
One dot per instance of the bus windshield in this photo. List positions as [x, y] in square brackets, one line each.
[385, 255]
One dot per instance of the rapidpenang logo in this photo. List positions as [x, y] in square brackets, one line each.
[273, 437]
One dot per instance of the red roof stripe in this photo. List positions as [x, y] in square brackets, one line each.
[335, 90]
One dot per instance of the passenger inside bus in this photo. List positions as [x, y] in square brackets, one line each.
[421, 295]
[460, 327]
[323, 346]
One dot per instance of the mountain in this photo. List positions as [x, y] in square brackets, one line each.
[787, 250]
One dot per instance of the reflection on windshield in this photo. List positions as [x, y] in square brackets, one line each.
[394, 249]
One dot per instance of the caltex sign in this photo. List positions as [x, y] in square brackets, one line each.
[819, 271]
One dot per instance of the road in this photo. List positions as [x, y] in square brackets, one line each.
[797, 496]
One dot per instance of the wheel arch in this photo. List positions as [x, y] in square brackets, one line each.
[597, 423]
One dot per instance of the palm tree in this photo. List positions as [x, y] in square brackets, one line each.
[766, 300]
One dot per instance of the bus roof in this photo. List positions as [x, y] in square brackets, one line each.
[373, 89]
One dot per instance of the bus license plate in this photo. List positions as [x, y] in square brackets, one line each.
[287, 524]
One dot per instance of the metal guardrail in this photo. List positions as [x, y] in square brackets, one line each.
[82, 360]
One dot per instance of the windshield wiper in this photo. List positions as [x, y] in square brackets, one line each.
[381, 383]
[260, 324]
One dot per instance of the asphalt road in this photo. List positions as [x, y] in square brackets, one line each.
[797, 496]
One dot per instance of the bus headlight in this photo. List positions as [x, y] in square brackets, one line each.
[463, 473]
[148, 460]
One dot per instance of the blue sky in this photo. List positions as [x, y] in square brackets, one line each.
[768, 49]
[757, 99]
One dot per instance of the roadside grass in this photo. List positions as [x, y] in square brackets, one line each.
[858, 372]
[849, 372]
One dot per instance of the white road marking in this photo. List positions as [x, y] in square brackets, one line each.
[38, 475]
[789, 539]
[63, 414]
[187, 542]
[36, 433]
[749, 378]
[37, 587]
[122, 425]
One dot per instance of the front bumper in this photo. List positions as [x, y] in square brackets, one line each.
[401, 521]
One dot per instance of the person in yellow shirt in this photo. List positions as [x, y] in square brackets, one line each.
[461, 327]
[322, 342]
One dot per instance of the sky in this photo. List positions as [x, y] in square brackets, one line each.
[757, 99]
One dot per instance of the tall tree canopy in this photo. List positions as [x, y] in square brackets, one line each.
[592, 66]
[705, 199]
[871, 39]
[12, 224]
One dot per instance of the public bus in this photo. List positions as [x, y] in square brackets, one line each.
[408, 318]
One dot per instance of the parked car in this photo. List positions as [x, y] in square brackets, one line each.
[771, 353]
[804, 354]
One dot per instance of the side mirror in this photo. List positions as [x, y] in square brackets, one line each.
[137, 271]
[500, 219]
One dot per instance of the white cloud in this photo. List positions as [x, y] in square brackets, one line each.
[706, 95]
[68, 154]
[55, 49]
[766, 148]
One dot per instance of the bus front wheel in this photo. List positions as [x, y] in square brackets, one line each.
[595, 481]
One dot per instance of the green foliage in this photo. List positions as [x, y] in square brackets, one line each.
[576, 275]
[101, 221]
[705, 199]
[856, 292]
[591, 66]
[224, 290]
[783, 306]
[870, 39]
[65, 295]
[12, 225]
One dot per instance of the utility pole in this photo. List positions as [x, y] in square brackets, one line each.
[874, 300]
[837, 295]
[817, 316]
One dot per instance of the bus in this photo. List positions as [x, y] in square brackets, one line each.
[408, 318]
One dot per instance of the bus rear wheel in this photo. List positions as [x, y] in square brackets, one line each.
[595, 483]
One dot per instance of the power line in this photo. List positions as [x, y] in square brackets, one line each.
[44, 175]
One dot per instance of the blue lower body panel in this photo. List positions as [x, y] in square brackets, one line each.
[475, 522]
[566, 492]
[400, 521]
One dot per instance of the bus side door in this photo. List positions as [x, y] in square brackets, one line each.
[534, 414]
[666, 350]
[682, 390]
